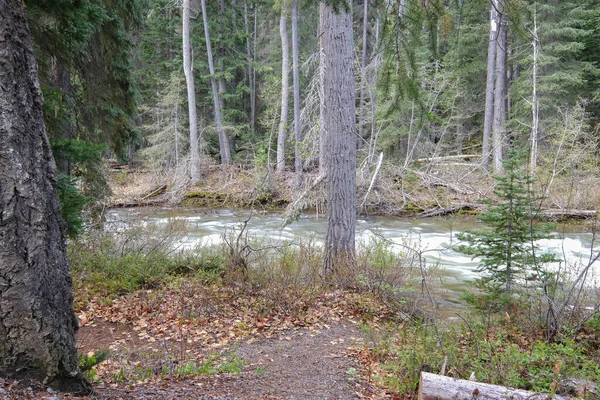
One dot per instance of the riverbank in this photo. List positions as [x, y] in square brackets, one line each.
[393, 191]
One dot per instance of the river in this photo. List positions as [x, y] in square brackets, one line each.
[435, 236]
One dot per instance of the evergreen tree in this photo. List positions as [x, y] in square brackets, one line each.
[508, 250]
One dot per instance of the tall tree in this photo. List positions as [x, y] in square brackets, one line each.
[499, 126]
[223, 141]
[489, 85]
[296, 80]
[191, 92]
[285, 87]
[340, 126]
[37, 321]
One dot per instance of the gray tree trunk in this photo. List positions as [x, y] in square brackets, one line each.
[500, 94]
[363, 81]
[489, 86]
[340, 125]
[37, 321]
[250, 68]
[296, 80]
[191, 92]
[223, 141]
[285, 89]
[323, 136]
[534, 98]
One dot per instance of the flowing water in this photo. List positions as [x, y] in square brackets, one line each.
[435, 237]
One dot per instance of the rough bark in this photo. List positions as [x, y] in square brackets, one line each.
[223, 141]
[296, 81]
[500, 94]
[489, 86]
[191, 92]
[285, 90]
[323, 136]
[37, 321]
[339, 120]
[363, 81]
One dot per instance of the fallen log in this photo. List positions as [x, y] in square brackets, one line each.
[437, 212]
[438, 387]
[561, 214]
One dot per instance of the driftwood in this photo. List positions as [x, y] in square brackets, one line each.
[372, 181]
[154, 192]
[566, 213]
[457, 157]
[436, 212]
[437, 387]
[126, 203]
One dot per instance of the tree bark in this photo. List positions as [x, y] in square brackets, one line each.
[489, 86]
[323, 136]
[250, 68]
[191, 92]
[285, 89]
[223, 141]
[363, 81]
[500, 94]
[296, 80]
[534, 100]
[37, 321]
[340, 125]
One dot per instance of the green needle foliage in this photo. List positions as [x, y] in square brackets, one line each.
[508, 252]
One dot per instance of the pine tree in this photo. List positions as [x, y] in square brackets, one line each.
[508, 250]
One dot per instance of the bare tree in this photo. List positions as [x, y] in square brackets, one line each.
[500, 93]
[250, 68]
[37, 321]
[489, 85]
[285, 88]
[223, 141]
[340, 125]
[296, 76]
[191, 92]
[535, 108]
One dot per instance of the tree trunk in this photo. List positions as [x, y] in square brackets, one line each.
[323, 136]
[534, 100]
[37, 321]
[500, 94]
[296, 76]
[363, 81]
[250, 74]
[285, 89]
[489, 86]
[340, 125]
[191, 92]
[223, 141]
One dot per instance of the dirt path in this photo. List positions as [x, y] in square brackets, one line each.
[302, 364]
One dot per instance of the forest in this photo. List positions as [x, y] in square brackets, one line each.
[237, 198]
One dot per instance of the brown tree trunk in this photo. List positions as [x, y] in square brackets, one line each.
[340, 125]
[37, 321]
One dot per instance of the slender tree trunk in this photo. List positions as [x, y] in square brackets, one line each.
[363, 81]
[340, 125]
[250, 73]
[323, 135]
[191, 92]
[500, 94]
[223, 141]
[231, 144]
[296, 76]
[285, 89]
[37, 321]
[489, 86]
[534, 100]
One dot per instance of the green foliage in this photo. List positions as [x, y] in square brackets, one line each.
[507, 250]
[72, 202]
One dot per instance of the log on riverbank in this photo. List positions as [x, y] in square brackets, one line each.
[438, 387]
[438, 212]
[562, 214]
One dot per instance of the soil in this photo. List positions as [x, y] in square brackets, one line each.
[307, 363]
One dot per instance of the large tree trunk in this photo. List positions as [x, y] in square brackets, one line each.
[191, 92]
[489, 86]
[223, 141]
[500, 94]
[296, 77]
[285, 89]
[340, 125]
[323, 136]
[37, 321]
